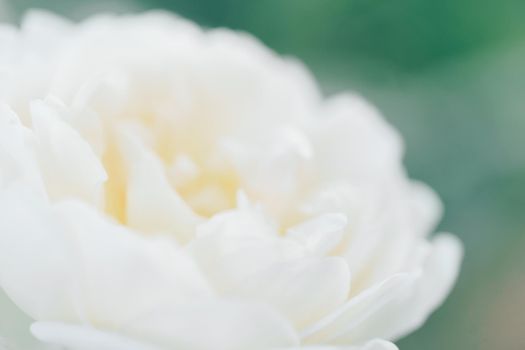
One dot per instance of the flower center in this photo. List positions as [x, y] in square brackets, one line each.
[193, 171]
[206, 190]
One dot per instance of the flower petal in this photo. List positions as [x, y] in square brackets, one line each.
[352, 141]
[35, 253]
[228, 325]
[107, 274]
[233, 245]
[76, 337]
[153, 206]
[69, 165]
[321, 234]
[440, 271]
[367, 306]
[303, 290]
[396, 306]
[371, 345]
[17, 159]
[124, 274]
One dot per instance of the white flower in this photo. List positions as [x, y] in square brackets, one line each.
[165, 187]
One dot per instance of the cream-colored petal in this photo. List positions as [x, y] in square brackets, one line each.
[153, 206]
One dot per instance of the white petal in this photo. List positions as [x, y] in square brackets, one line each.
[243, 256]
[69, 165]
[152, 204]
[234, 245]
[247, 221]
[273, 162]
[124, 274]
[371, 345]
[378, 345]
[17, 159]
[106, 274]
[440, 271]
[426, 208]
[321, 234]
[272, 168]
[398, 305]
[76, 337]
[220, 325]
[36, 254]
[303, 290]
[352, 141]
[355, 320]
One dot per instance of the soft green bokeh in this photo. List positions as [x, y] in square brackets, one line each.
[450, 75]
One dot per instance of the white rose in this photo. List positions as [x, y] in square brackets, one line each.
[165, 187]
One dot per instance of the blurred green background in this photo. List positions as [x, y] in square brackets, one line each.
[450, 75]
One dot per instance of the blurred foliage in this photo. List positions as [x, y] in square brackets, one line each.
[409, 34]
[450, 75]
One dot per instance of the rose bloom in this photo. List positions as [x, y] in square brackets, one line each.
[168, 187]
